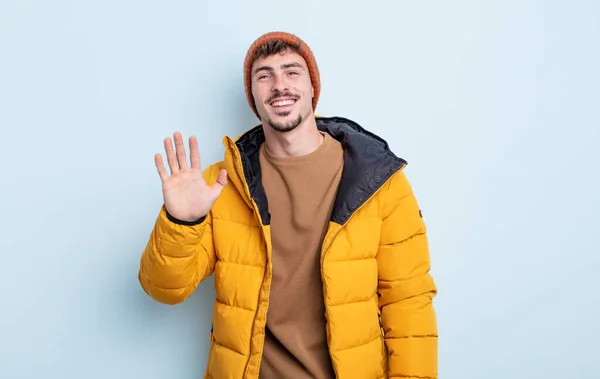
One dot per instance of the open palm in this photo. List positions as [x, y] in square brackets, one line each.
[186, 194]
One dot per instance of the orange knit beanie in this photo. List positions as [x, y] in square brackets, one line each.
[291, 40]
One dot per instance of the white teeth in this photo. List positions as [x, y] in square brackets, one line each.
[282, 103]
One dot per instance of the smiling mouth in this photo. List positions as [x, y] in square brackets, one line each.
[283, 103]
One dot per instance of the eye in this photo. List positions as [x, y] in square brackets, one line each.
[292, 73]
[263, 77]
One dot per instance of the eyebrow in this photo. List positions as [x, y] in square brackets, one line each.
[283, 67]
[263, 68]
[289, 65]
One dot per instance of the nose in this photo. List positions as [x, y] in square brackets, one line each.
[279, 84]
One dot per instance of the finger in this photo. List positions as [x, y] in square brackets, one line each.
[171, 156]
[180, 150]
[162, 172]
[194, 153]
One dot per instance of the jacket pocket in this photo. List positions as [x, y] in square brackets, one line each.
[384, 351]
[211, 348]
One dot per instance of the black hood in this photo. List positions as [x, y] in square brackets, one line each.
[368, 164]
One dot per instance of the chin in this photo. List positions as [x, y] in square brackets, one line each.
[284, 124]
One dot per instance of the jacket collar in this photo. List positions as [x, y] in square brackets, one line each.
[368, 164]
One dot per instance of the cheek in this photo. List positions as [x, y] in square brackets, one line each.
[309, 90]
[257, 97]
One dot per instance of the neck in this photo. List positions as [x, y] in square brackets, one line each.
[303, 140]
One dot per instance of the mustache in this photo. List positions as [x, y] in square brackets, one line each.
[287, 95]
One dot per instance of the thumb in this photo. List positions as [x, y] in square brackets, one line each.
[220, 183]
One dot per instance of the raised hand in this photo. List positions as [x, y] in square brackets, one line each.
[186, 194]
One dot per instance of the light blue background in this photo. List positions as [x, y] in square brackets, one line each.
[494, 104]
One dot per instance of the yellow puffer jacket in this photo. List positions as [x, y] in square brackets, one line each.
[375, 264]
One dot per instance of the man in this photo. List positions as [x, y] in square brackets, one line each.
[311, 229]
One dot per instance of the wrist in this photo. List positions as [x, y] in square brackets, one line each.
[184, 222]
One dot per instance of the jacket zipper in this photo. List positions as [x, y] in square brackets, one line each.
[255, 315]
[256, 214]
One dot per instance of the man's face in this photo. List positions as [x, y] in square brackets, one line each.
[282, 90]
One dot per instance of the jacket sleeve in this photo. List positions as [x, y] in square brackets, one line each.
[406, 289]
[177, 256]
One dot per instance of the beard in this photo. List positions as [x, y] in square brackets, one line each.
[284, 127]
[288, 126]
